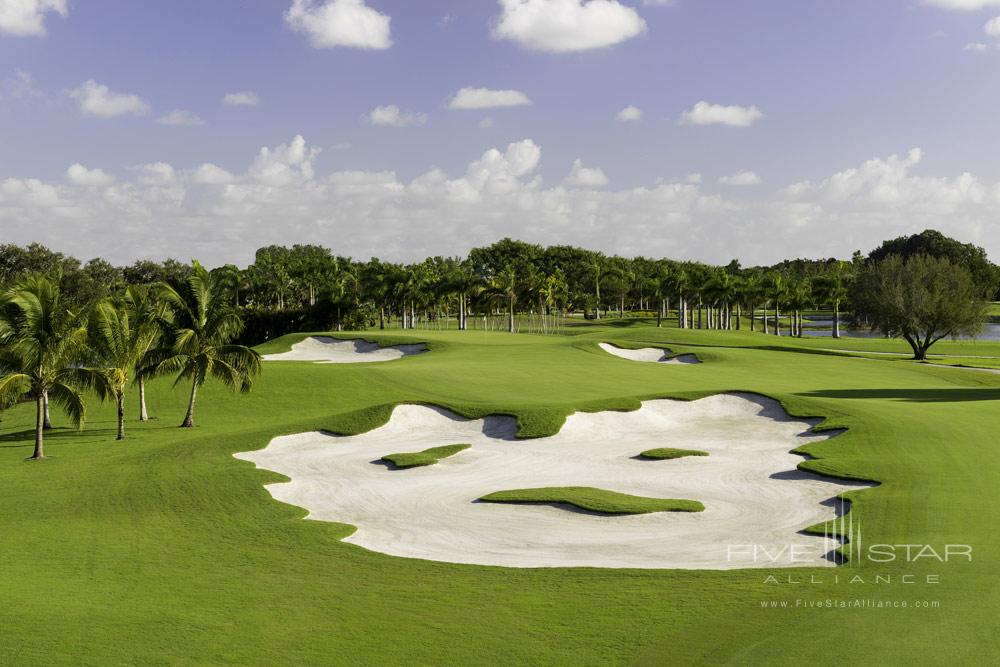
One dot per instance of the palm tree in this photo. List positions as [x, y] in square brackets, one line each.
[120, 337]
[660, 284]
[504, 285]
[197, 344]
[42, 349]
[777, 287]
[752, 290]
[834, 288]
[799, 296]
[146, 311]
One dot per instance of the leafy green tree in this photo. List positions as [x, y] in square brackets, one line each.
[972, 258]
[921, 299]
[43, 347]
[197, 343]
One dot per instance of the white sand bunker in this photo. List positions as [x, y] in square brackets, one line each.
[325, 350]
[650, 354]
[756, 501]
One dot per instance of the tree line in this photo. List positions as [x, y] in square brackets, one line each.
[68, 328]
[56, 345]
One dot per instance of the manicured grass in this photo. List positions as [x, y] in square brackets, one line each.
[662, 453]
[425, 458]
[594, 500]
[164, 549]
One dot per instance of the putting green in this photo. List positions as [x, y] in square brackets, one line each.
[426, 457]
[594, 500]
[165, 549]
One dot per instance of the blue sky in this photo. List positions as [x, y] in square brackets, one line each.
[819, 97]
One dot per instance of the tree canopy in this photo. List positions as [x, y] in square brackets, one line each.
[921, 299]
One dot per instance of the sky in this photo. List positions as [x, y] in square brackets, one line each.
[690, 129]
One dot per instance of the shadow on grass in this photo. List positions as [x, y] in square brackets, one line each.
[910, 395]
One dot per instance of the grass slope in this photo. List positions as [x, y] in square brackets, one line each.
[663, 453]
[425, 458]
[594, 500]
[163, 549]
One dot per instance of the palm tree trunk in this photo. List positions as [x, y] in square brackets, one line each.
[143, 414]
[189, 417]
[381, 317]
[121, 414]
[777, 320]
[753, 322]
[659, 315]
[836, 319]
[39, 428]
[46, 420]
[511, 320]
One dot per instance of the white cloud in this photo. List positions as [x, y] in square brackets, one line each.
[484, 98]
[99, 101]
[741, 178]
[285, 165]
[585, 177]
[244, 98]
[155, 173]
[976, 47]
[333, 23]
[181, 118]
[562, 26]
[629, 113]
[992, 27]
[210, 174]
[26, 18]
[486, 123]
[704, 113]
[392, 115]
[964, 5]
[279, 198]
[80, 175]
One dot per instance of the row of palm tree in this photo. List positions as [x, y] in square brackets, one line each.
[50, 351]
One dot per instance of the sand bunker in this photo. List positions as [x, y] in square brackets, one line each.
[756, 501]
[325, 350]
[650, 354]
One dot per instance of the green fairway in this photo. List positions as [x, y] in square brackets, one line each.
[425, 458]
[664, 453]
[594, 500]
[164, 549]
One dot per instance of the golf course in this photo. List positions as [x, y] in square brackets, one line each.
[165, 549]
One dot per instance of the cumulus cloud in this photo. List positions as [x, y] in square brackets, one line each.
[80, 175]
[210, 174]
[280, 198]
[585, 177]
[562, 26]
[704, 113]
[741, 178]
[629, 113]
[965, 5]
[181, 118]
[99, 101]
[346, 23]
[244, 98]
[992, 27]
[392, 116]
[26, 18]
[484, 98]
[976, 47]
